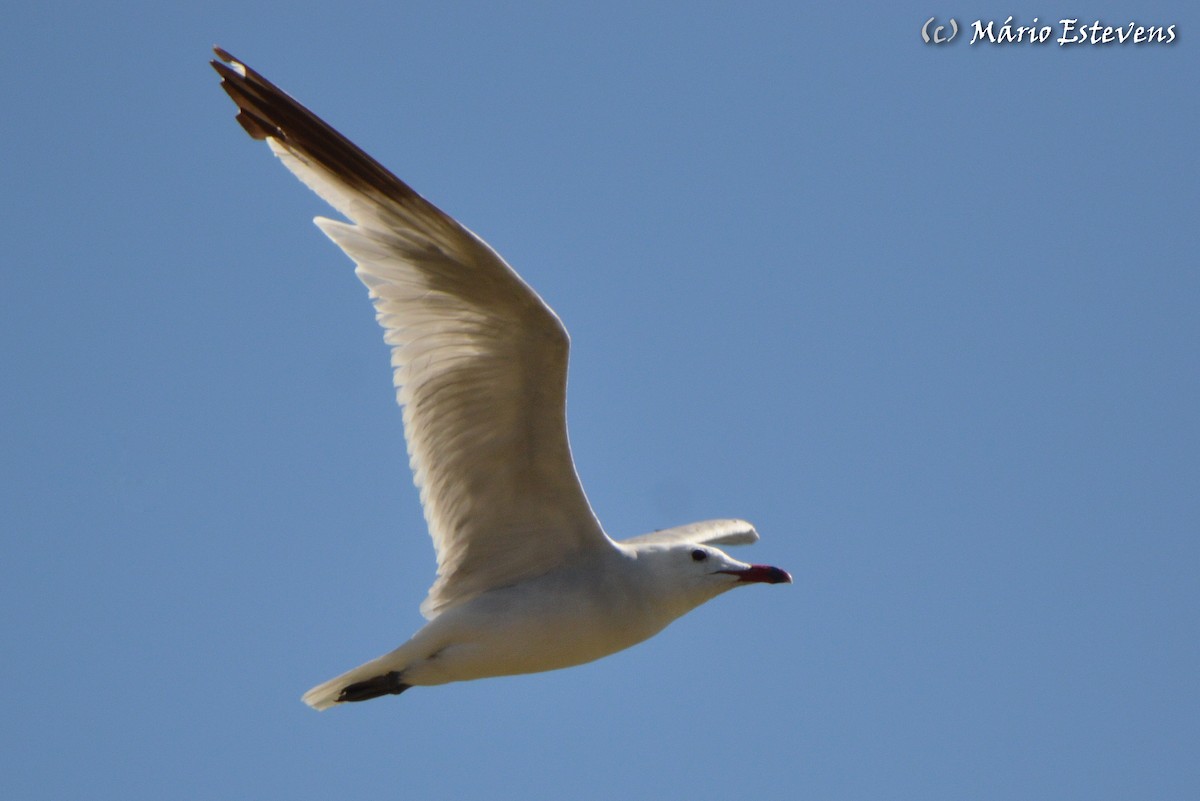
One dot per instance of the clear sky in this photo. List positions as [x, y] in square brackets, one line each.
[927, 316]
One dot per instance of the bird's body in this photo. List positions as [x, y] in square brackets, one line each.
[562, 618]
[527, 579]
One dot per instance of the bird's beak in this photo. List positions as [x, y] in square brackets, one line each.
[764, 574]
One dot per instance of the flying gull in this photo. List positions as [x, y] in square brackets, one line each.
[527, 579]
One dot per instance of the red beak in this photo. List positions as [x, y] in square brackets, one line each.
[761, 573]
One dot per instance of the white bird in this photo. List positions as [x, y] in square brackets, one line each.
[527, 579]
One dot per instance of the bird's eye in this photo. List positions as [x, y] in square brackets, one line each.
[699, 555]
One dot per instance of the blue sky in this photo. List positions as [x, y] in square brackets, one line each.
[926, 316]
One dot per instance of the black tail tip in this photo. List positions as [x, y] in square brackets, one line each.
[387, 684]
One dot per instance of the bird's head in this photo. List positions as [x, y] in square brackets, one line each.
[692, 573]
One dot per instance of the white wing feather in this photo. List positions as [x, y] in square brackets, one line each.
[479, 360]
[706, 532]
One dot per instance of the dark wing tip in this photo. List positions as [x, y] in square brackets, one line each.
[238, 82]
[265, 110]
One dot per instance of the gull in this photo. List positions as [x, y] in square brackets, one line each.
[527, 579]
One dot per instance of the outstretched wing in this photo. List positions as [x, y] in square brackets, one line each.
[706, 532]
[479, 360]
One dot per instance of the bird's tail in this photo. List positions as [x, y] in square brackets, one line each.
[380, 676]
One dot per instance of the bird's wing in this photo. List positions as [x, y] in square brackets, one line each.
[479, 360]
[706, 532]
